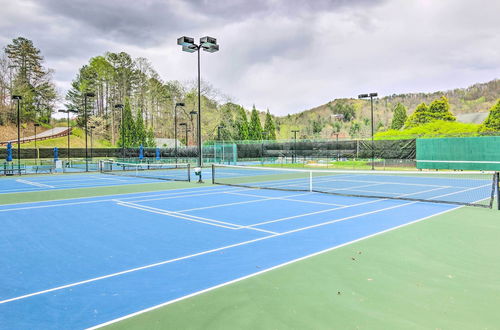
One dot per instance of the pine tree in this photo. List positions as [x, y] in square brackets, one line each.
[419, 116]
[242, 125]
[129, 140]
[255, 127]
[399, 118]
[140, 130]
[32, 81]
[269, 126]
[440, 110]
[230, 130]
[150, 138]
[492, 122]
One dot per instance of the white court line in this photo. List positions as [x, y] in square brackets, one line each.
[185, 194]
[262, 199]
[287, 198]
[36, 184]
[212, 222]
[196, 254]
[338, 208]
[264, 271]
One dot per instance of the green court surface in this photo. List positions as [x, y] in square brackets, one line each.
[440, 273]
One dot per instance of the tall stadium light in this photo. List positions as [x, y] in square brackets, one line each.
[208, 44]
[36, 150]
[371, 96]
[178, 104]
[68, 111]
[91, 138]
[294, 145]
[18, 98]
[186, 129]
[85, 115]
[120, 106]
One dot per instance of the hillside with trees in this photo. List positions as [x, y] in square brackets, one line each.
[150, 109]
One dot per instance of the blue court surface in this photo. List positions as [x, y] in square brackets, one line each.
[20, 184]
[80, 263]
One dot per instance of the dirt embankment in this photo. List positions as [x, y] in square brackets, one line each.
[9, 132]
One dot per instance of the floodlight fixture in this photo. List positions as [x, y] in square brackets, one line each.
[17, 97]
[180, 104]
[211, 49]
[373, 94]
[90, 94]
[118, 106]
[185, 41]
[189, 49]
[193, 113]
[208, 41]
[363, 96]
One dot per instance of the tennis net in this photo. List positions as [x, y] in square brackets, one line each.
[160, 171]
[461, 188]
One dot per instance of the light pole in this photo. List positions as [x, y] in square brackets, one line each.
[186, 129]
[18, 98]
[264, 134]
[193, 113]
[120, 106]
[36, 150]
[371, 96]
[337, 145]
[218, 139]
[91, 138]
[210, 45]
[87, 94]
[294, 145]
[68, 111]
[178, 104]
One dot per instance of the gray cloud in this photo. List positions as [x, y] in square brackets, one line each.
[285, 55]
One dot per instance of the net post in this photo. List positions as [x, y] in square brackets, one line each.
[310, 181]
[189, 172]
[213, 174]
[497, 185]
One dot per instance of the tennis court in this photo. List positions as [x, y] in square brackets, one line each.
[86, 262]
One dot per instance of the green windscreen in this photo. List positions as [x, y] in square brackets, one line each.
[468, 153]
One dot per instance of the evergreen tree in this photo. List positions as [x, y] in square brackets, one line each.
[440, 110]
[128, 128]
[269, 126]
[419, 116]
[399, 117]
[32, 81]
[140, 135]
[150, 138]
[492, 122]
[230, 130]
[255, 127]
[242, 125]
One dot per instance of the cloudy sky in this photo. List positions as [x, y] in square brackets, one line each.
[285, 55]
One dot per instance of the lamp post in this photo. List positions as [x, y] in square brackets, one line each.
[208, 44]
[86, 95]
[91, 138]
[193, 113]
[18, 98]
[371, 96]
[178, 104]
[186, 129]
[120, 106]
[337, 144]
[218, 139]
[264, 134]
[294, 145]
[68, 111]
[36, 150]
